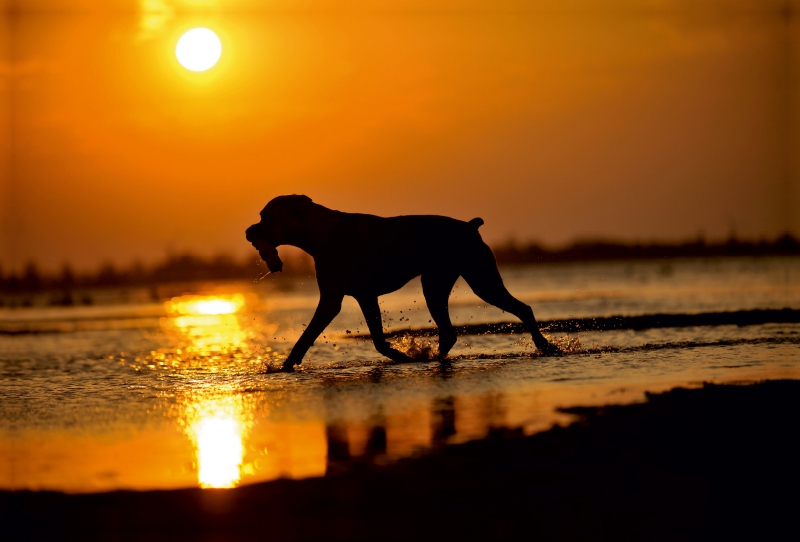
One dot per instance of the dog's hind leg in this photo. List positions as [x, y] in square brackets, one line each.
[436, 287]
[484, 278]
[372, 315]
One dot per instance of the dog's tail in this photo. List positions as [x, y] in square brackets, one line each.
[476, 223]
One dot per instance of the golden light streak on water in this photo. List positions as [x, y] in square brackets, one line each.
[218, 428]
[210, 323]
[205, 305]
[217, 425]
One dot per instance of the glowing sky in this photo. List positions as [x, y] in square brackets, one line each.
[658, 122]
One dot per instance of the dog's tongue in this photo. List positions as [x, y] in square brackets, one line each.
[269, 254]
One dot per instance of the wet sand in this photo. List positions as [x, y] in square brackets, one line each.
[687, 464]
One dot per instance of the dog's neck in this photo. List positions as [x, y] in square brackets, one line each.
[320, 223]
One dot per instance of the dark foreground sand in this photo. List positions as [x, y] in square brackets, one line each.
[721, 461]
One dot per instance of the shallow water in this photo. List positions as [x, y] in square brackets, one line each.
[174, 394]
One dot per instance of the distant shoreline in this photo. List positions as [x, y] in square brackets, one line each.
[687, 464]
[595, 251]
[193, 268]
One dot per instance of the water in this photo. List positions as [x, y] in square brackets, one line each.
[174, 394]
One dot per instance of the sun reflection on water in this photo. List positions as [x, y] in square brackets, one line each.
[205, 305]
[217, 420]
[210, 323]
[218, 428]
[218, 348]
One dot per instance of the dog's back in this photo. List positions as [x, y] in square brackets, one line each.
[384, 253]
[432, 237]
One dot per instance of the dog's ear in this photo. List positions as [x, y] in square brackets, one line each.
[297, 202]
[300, 204]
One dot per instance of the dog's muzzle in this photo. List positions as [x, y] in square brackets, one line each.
[269, 254]
[266, 250]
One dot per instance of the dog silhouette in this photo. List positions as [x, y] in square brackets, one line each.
[366, 256]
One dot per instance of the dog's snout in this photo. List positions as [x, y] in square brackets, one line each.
[251, 233]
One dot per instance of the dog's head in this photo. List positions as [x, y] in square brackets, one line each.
[282, 222]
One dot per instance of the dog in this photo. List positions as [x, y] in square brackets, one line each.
[366, 256]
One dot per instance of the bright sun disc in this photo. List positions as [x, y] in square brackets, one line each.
[198, 49]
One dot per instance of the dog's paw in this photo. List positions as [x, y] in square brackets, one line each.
[397, 356]
[271, 369]
[550, 350]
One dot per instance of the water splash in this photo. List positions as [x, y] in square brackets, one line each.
[262, 276]
[567, 344]
[276, 365]
[417, 348]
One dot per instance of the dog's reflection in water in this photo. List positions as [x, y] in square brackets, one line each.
[366, 256]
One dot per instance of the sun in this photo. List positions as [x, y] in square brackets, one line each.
[198, 49]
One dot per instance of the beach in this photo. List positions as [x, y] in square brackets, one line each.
[689, 464]
[669, 415]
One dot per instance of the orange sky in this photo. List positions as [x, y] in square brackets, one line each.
[633, 124]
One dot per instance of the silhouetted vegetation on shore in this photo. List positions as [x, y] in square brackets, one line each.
[190, 268]
[585, 251]
[178, 268]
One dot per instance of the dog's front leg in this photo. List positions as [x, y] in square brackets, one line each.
[327, 309]
[372, 314]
